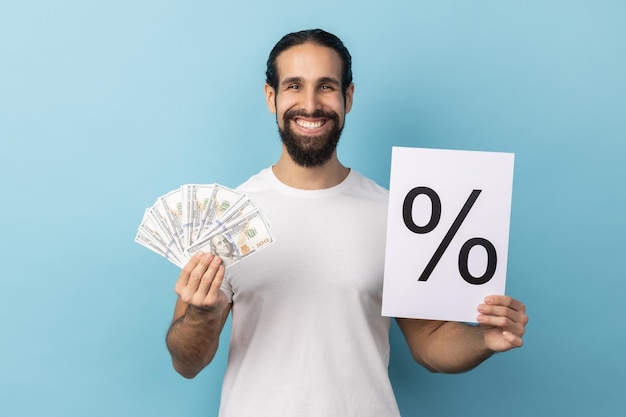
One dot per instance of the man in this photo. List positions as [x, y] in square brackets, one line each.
[307, 335]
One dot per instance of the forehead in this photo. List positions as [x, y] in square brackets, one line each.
[309, 61]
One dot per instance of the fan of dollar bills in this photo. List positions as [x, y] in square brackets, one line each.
[204, 218]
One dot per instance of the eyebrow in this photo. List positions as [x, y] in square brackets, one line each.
[300, 80]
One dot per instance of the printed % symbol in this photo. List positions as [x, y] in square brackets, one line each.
[407, 215]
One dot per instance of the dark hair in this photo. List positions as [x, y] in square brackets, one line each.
[314, 36]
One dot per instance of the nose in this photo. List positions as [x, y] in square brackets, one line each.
[311, 100]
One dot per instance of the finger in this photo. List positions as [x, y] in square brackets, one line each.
[514, 325]
[185, 273]
[196, 275]
[501, 305]
[216, 284]
[207, 280]
[502, 322]
[513, 339]
[497, 311]
[506, 301]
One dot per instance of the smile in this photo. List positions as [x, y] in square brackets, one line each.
[307, 124]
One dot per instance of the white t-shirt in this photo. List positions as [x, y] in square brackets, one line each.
[308, 338]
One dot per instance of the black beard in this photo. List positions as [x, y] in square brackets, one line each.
[310, 151]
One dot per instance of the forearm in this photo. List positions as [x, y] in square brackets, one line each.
[457, 347]
[447, 347]
[193, 339]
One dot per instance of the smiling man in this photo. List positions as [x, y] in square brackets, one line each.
[310, 103]
[308, 338]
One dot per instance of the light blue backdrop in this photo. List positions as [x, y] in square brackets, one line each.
[105, 106]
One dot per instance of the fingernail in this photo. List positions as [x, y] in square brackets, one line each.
[198, 254]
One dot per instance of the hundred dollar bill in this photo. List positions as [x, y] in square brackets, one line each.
[198, 199]
[242, 207]
[149, 235]
[243, 237]
[156, 227]
[156, 213]
[172, 205]
[144, 240]
[152, 230]
[221, 200]
[203, 217]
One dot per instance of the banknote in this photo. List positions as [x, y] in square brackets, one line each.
[220, 201]
[172, 207]
[152, 235]
[237, 239]
[197, 197]
[204, 217]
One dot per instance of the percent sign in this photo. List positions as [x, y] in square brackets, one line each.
[435, 216]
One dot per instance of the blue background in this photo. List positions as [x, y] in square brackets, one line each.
[105, 106]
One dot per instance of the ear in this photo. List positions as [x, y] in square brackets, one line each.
[270, 98]
[349, 97]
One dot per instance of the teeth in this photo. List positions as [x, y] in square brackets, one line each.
[309, 125]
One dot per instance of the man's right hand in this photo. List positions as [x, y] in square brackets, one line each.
[199, 283]
[199, 316]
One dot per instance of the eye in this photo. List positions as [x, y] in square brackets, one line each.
[293, 87]
[326, 87]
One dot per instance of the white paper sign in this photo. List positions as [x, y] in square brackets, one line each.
[447, 232]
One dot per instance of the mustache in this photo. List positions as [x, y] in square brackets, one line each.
[290, 114]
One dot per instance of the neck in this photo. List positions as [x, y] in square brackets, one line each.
[316, 178]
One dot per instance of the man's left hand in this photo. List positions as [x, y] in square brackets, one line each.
[503, 320]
